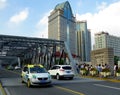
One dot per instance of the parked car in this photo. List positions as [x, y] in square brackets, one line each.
[35, 75]
[61, 71]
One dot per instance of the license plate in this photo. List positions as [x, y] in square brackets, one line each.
[42, 81]
[68, 71]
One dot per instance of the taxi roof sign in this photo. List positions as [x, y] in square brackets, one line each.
[33, 65]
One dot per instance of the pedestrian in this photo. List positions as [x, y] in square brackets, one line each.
[77, 68]
[115, 69]
[99, 68]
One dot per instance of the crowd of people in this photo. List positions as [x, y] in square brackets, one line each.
[99, 68]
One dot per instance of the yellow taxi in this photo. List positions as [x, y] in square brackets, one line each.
[35, 74]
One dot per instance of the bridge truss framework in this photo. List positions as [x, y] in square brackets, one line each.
[30, 49]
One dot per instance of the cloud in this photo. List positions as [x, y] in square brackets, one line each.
[19, 17]
[3, 4]
[43, 21]
[102, 6]
[42, 26]
[106, 20]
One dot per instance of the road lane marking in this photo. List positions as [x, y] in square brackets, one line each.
[2, 91]
[69, 90]
[107, 86]
[8, 93]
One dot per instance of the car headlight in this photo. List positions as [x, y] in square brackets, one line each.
[33, 76]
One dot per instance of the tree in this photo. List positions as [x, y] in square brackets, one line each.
[116, 59]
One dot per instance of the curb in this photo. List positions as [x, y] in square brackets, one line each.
[106, 79]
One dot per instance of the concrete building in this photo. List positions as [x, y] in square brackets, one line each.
[104, 40]
[103, 56]
[62, 25]
[83, 41]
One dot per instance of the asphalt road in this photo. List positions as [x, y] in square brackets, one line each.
[78, 86]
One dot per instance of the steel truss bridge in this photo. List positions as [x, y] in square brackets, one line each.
[30, 49]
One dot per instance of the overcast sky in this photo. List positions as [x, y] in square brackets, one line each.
[30, 17]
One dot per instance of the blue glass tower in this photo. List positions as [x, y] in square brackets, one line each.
[83, 41]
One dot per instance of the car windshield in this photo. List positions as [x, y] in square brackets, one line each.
[38, 69]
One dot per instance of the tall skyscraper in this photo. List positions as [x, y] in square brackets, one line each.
[83, 41]
[104, 40]
[62, 25]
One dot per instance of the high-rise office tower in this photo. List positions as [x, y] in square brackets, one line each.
[104, 40]
[62, 26]
[83, 41]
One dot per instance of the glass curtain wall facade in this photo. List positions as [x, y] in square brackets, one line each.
[83, 41]
[62, 26]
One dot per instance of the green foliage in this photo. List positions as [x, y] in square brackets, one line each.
[93, 69]
[83, 69]
[106, 70]
[60, 62]
[118, 71]
[57, 62]
[116, 59]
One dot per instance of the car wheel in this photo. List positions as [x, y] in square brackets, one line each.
[57, 77]
[71, 78]
[28, 83]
